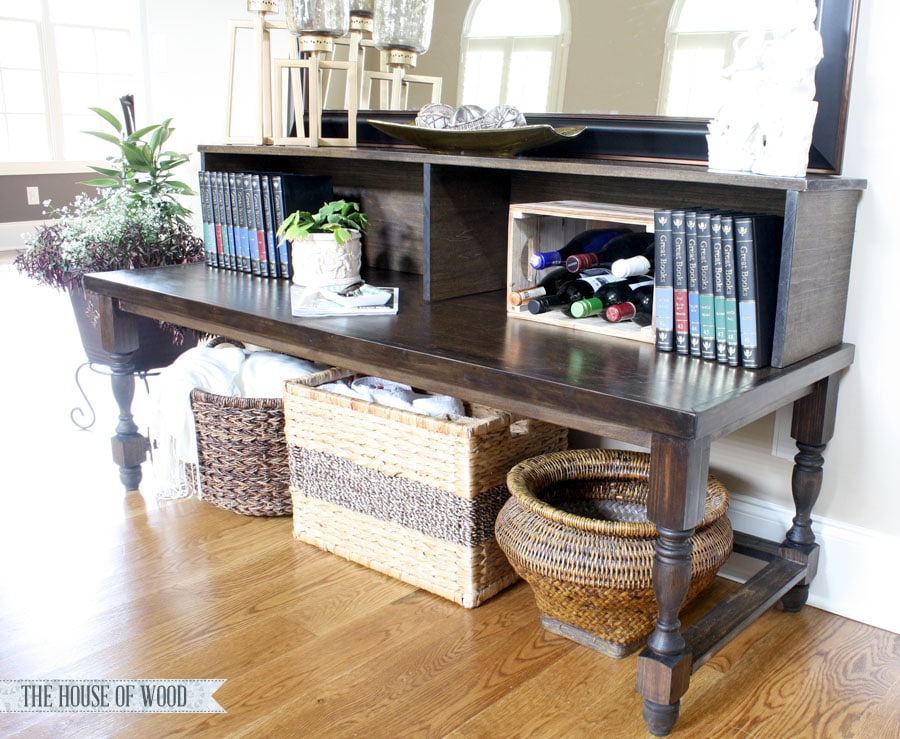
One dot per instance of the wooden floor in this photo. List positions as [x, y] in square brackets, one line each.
[97, 584]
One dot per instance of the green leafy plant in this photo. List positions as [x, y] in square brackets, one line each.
[134, 221]
[142, 167]
[337, 217]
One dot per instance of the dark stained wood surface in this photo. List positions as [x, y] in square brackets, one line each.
[468, 347]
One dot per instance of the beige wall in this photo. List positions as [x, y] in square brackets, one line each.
[607, 70]
[60, 189]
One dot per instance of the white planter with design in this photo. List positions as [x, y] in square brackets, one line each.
[318, 260]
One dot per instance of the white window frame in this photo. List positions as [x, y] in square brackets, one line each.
[50, 76]
[507, 45]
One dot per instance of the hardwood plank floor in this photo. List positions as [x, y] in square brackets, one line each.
[97, 584]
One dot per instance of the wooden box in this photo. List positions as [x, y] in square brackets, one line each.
[546, 226]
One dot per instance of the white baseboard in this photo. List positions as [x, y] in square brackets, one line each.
[11, 234]
[856, 576]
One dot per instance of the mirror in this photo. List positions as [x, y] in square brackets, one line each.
[613, 80]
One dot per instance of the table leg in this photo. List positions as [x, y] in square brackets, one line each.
[678, 475]
[120, 338]
[812, 427]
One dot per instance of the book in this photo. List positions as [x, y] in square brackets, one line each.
[663, 300]
[239, 206]
[693, 287]
[705, 286]
[265, 187]
[234, 253]
[718, 279]
[292, 192]
[222, 230]
[680, 283]
[757, 249]
[322, 302]
[206, 217]
[258, 254]
[732, 348]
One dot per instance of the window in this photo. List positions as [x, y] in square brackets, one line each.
[514, 53]
[700, 43]
[57, 59]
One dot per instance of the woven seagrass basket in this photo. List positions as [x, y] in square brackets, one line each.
[575, 528]
[241, 450]
[408, 495]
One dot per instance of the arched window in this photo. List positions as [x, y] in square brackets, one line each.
[700, 44]
[514, 53]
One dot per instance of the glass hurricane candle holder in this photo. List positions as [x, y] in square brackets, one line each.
[318, 19]
[361, 15]
[403, 29]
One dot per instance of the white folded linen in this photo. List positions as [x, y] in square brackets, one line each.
[397, 395]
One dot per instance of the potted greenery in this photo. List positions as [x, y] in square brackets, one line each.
[134, 221]
[326, 247]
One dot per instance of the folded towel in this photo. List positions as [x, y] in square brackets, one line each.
[397, 395]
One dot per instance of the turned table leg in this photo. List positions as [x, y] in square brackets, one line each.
[120, 338]
[678, 475]
[812, 427]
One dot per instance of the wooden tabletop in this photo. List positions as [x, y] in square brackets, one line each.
[469, 348]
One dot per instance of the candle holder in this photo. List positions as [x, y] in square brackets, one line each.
[314, 25]
[260, 25]
[402, 31]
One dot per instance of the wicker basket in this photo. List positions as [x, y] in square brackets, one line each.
[241, 450]
[408, 495]
[576, 530]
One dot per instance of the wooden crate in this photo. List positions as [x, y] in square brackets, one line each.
[546, 226]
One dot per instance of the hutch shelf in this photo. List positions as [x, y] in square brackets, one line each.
[438, 230]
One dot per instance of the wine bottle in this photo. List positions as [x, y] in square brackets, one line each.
[622, 247]
[639, 308]
[640, 264]
[579, 289]
[549, 285]
[617, 291]
[584, 243]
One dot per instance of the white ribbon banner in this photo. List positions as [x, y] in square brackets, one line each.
[109, 696]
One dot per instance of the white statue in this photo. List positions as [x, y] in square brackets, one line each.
[765, 122]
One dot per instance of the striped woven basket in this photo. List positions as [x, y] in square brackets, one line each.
[405, 494]
[576, 530]
[241, 450]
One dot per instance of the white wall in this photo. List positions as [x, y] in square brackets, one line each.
[859, 508]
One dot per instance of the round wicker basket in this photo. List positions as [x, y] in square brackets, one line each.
[576, 529]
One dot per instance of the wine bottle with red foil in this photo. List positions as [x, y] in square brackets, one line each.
[579, 289]
[549, 285]
[639, 308]
[584, 243]
[621, 247]
[613, 293]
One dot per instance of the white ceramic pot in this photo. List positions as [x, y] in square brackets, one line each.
[319, 260]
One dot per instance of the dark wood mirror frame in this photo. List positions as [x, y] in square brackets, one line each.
[682, 140]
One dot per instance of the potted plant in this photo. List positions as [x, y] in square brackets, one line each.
[327, 245]
[135, 220]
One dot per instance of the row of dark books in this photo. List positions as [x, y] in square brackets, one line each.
[241, 212]
[716, 284]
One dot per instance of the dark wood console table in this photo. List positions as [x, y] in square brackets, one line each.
[676, 406]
